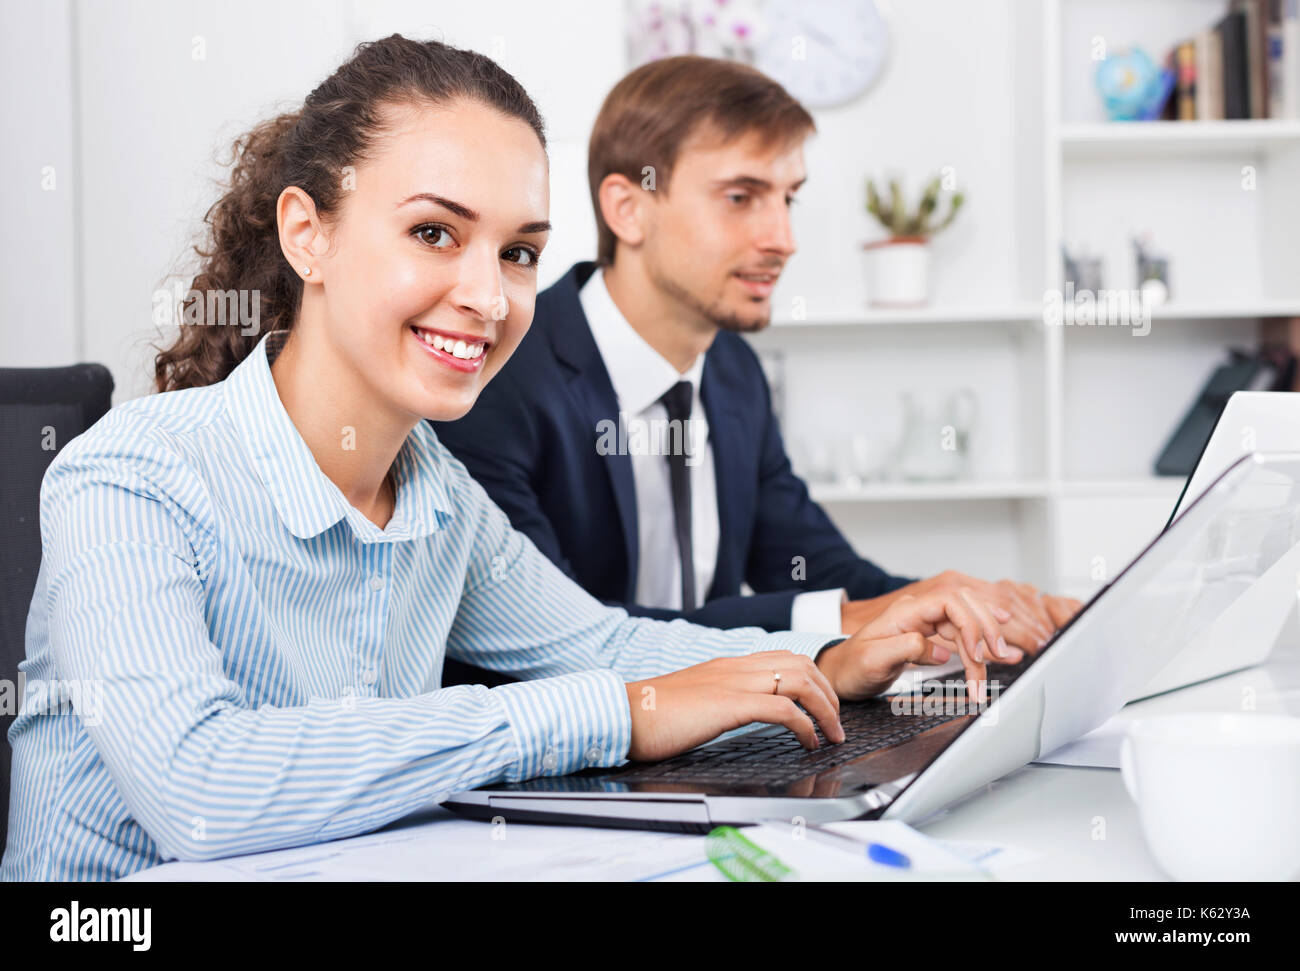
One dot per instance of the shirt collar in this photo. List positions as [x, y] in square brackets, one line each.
[307, 501]
[640, 374]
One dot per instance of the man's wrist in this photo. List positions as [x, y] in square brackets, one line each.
[857, 614]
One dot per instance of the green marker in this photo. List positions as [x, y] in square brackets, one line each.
[741, 860]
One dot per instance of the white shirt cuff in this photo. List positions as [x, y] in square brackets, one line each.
[818, 612]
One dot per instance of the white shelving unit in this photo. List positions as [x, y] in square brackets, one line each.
[1018, 313]
[1161, 139]
[1061, 489]
[929, 491]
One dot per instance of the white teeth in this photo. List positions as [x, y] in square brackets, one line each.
[449, 345]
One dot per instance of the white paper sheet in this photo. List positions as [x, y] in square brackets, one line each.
[1098, 749]
[450, 848]
[815, 860]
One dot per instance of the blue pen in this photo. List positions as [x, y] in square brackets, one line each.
[875, 852]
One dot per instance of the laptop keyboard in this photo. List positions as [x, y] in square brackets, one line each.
[774, 756]
[1003, 674]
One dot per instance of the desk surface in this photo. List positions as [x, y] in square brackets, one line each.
[1081, 821]
[1057, 823]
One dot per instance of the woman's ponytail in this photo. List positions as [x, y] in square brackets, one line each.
[241, 255]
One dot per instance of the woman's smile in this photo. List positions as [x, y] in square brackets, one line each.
[460, 352]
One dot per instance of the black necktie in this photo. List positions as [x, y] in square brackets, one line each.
[677, 400]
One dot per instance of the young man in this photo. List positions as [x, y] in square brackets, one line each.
[692, 164]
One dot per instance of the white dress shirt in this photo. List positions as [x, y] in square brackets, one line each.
[640, 376]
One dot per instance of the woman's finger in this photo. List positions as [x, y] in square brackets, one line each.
[972, 660]
[819, 676]
[997, 644]
[779, 710]
[956, 610]
[1016, 633]
[800, 684]
[912, 647]
[945, 636]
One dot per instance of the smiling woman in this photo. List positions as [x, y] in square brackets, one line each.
[265, 565]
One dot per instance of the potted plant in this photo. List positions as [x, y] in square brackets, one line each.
[898, 267]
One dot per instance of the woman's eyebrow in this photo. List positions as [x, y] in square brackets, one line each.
[465, 212]
[468, 214]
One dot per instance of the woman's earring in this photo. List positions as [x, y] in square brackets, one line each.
[306, 271]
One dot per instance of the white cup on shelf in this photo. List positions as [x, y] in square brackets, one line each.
[1218, 794]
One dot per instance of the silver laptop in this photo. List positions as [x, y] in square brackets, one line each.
[910, 756]
[1264, 616]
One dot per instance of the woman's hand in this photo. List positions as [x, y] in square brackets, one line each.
[869, 661]
[1035, 615]
[678, 711]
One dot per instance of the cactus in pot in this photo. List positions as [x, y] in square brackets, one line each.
[899, 266]
[919, 223]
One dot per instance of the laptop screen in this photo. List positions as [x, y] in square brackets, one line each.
[1239, 529]
[1252, 421]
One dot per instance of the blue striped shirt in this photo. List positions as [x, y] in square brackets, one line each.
[224, 656]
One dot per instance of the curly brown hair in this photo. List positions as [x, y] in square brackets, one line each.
[311, 148]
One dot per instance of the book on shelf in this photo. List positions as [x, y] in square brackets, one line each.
[1185, 87]
[1236, 82]
[1255, 21]
[1289, 19]
[1273, 57]
[1246, 65]
[1209, 76]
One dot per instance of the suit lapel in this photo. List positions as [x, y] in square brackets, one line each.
[726, 434]
[593, 391]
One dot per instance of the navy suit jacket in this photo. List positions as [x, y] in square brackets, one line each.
[531, 441]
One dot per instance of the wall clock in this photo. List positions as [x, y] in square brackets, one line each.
[824, 52]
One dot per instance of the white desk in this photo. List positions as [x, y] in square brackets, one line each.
[1054, 810]
[1067, 822]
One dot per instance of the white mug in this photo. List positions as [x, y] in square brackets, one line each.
[1218, 794]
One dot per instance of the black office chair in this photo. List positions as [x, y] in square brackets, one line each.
[41, 410]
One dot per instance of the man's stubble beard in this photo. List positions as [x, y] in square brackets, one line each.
[714, 313]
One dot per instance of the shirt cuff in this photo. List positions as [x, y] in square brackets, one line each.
[567, 723]
[818, 612]
[807, 644]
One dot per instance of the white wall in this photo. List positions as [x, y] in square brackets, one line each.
[39, 279]
[155, 121]
[945, 99]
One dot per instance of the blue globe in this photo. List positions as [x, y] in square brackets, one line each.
[1132, 87]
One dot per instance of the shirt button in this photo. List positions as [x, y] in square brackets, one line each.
[376, 582]
[594, 753]
[368, 676]
[550, 761]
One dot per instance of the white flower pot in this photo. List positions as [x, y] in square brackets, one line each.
[898, 272]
